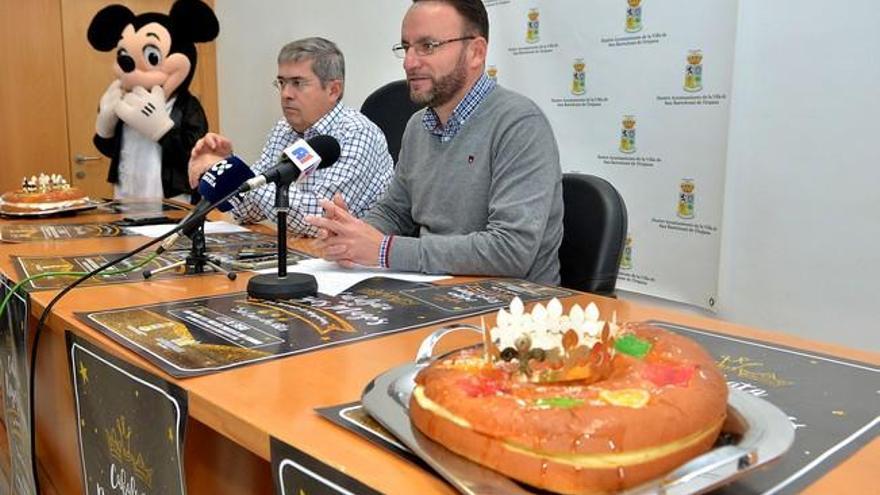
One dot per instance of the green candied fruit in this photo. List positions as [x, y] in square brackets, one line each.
[633, 346]
[559, 402]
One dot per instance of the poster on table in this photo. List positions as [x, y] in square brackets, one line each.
[131, 425]
[30, 232]
[230, 256]
[207, 335]
[638, 93]
[831, 421]
[14, 368]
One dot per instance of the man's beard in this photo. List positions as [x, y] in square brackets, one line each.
[445, 88]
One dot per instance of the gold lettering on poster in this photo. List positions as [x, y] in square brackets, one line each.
[171, 339]
[748, 369]
[322, 322]
[119, 443]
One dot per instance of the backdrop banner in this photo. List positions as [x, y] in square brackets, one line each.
[637, 93]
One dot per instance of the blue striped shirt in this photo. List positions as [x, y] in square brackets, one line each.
[462, 111]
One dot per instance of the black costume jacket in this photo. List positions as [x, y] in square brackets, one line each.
[190, 124]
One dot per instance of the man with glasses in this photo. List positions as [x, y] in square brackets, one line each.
[478, 186]
[310, 81]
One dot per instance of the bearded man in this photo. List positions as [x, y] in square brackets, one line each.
[478, 187]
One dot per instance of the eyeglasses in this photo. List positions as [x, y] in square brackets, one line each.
[298, 84]
[424, 48]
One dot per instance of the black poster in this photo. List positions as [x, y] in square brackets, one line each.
[484, 295]
[30, 266]
[131, 425]
[235, 257]
[255, 240]
[31, 232]
[201, 336]
[354, 418]
[296, 473]
[15, 387]
[833, 404]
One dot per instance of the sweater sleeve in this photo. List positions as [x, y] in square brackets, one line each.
[393, 213]
[524, 179]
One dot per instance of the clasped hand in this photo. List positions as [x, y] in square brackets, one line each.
[343, 238]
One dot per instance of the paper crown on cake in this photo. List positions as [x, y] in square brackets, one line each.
[44, 183]
[550, 346]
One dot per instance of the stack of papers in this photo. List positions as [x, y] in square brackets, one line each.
[210, 228]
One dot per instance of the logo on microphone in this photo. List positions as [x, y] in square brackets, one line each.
[221, 167]
[213, 174]
[302, 154]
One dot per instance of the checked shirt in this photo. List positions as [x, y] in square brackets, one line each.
[361, 174]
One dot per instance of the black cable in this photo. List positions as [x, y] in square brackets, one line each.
[44, 315]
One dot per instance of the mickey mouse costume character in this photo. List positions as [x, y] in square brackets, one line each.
[147, 119]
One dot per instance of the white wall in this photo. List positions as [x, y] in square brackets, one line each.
[252, 33]
[801, 243]
[801, 247]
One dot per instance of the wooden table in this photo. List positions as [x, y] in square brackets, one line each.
[233, 413]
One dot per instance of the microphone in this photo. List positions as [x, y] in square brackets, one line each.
[298, 160]
[232, 174]
[220, 180]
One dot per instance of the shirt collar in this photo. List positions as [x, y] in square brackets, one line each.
[465, 108]
[323, 125]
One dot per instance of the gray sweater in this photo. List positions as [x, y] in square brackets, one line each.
[488, 202]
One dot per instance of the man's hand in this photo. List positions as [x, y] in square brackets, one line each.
[208, 150]
[145, 111]
[343, 238]
[199, 165]
[105, 124]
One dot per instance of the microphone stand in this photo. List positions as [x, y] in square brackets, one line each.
[198, 258]
[282, 285]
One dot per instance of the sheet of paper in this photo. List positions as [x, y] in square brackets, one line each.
[210, 228]
[333, 279]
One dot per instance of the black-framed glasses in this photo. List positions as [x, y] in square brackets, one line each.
[424, 48]
[298, 84]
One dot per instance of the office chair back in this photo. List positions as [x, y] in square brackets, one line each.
[390, 108]
[595, 224]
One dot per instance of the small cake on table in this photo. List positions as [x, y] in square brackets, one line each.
[41, 194]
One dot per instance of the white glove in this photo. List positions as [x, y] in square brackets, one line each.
[145, 112]
[105, 124]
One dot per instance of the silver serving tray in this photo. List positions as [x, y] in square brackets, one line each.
[762, 431]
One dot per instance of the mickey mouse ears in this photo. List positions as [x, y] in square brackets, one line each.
[195, 20]
[190, 20]
[106, 26]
